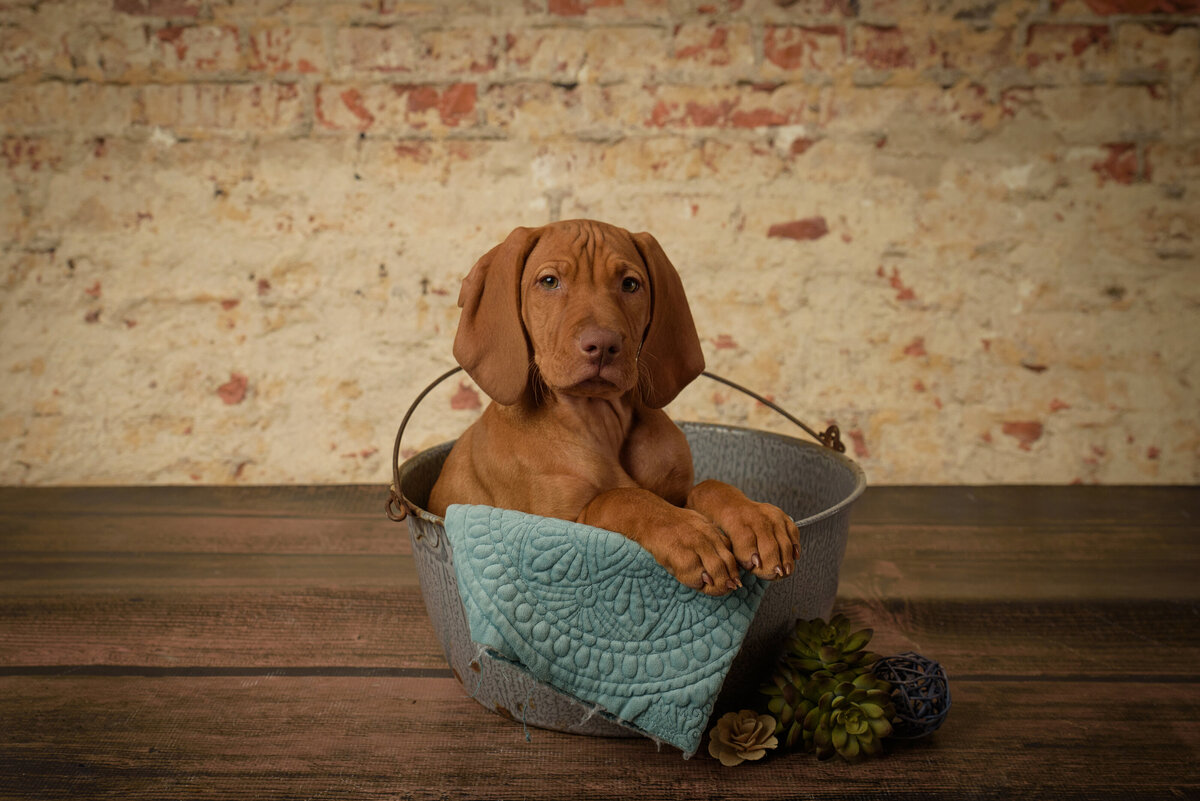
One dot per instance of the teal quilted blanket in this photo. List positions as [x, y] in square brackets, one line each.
[591, 613]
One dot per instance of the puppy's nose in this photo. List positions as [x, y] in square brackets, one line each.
[600, 344]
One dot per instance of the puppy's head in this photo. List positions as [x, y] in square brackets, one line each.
[598, 311]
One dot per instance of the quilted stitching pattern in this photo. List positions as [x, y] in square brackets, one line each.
[591, 613]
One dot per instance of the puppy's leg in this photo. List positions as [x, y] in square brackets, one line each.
[765, 540]
[683, 541]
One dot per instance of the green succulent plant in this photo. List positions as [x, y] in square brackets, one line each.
[851, 719]
[817, 645]
[823, 695]
[787, 702]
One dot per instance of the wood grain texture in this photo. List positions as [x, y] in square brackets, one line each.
[333, 737]
[272, 643]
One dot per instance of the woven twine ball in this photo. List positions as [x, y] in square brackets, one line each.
[920, 692]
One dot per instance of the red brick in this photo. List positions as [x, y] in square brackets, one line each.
[400, 108]
[371, 49]
[625, 53]
[1099, 114]
[916, 348]
[914, 112]
[287, 50]
[710, 44]
[1025, 432]
[1167, 51]
[802, 12]
[682, 8]
[234, 390]
[198, 50]
[816, 49]
[1066, 53]
[338, 107]
[882, 48]
[408, 9]
[118, 51]
[739, 107]
[45, 106]
[577, 8]
[800, 145]
[157, 8]
[554, 54]
[977, 52]
[304, 13]
[893, 11]
[1109, 7]
[1175, 162]
[539, 110]
[456, 52]
[903, 292]
[353, 101]
[26, 154]
[1189, 115]
[859, 442]
[453, 104]
[808, 228]
[30, 50]
[224, 109]
[1121, 165]
[637, 160]
[643, 10]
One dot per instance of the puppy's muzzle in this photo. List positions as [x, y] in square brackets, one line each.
[599, 346]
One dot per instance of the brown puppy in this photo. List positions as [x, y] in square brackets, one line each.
[580, 333]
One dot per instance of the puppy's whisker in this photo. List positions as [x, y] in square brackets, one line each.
[537, 383]
[645, 374]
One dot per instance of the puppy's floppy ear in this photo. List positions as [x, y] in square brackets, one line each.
[671, 349]
[490, 343]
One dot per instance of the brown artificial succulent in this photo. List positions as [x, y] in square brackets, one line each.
[742, 736]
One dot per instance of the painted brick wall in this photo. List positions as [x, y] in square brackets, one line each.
[232, 232]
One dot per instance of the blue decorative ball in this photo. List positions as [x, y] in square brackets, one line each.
[920, 692]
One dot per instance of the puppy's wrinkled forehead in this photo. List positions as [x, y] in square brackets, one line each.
[584, 243]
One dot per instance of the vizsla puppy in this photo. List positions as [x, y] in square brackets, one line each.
[580, 333]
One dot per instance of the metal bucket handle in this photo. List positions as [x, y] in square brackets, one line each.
[398, 507]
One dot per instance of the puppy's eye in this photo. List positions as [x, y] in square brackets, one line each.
[548, 282]
[631, 285]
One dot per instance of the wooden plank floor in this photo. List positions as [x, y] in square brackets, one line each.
[271, 643]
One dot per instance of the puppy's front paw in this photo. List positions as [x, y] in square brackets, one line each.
[697, 553]
[765, 540]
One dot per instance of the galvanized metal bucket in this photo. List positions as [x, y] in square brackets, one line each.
[815, 484]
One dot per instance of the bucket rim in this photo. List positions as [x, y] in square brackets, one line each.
[860, 477]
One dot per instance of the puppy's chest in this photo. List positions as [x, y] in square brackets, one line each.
[658, 466]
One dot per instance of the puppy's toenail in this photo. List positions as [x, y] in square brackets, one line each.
[731, 584]
[778, 570]
[754, 560]
[795, 551]
[705, 579]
